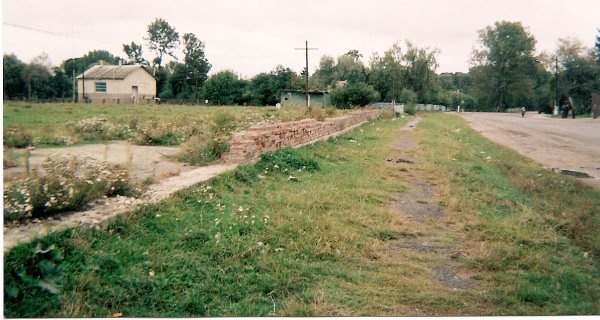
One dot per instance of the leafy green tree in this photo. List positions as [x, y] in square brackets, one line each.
[194, 59]
[225, 87]
[349, 68]
[13, 82]
[134, 54]
[62, 84]
[386, 73]
[265, 87]
[186, 78]
[325, 75]
[162, 39]
[177, 81]
[354, 94]
[405, 66]
[504, 64]
[263, 90]
[419, 72]
[77, 65]
[37, 78]
[579, 71]
[96, 57]
[597, 47]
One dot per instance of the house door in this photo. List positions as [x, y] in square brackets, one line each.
[134, 93]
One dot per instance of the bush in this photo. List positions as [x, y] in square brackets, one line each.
[354, 94]
[409, 98]
[71, 183]
[199, 152]
[17, 137]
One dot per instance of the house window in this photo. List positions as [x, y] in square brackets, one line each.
[100, 86]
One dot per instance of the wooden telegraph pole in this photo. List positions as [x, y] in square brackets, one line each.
[306, 48]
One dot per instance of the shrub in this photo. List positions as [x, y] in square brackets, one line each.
[70, 183]
[153, 133]
[17, 137]
[354, 94]
[203, 152]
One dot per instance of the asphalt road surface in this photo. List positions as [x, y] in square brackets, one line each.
[564, 144]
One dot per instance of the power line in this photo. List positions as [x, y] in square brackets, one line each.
[18, 26]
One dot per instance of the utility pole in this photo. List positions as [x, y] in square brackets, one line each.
[556, 86]
[306, 48]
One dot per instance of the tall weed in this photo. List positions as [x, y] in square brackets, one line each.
[17, 137]
[69, 184]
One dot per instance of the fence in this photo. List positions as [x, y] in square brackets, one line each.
[399, 108]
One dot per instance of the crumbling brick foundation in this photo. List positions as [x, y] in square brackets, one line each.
[249, 145]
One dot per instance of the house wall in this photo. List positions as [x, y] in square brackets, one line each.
[119, 91]
[249, 145]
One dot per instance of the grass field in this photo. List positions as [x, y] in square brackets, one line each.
[311, 233]
[64, 124]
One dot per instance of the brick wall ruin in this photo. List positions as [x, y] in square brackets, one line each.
[248, 145]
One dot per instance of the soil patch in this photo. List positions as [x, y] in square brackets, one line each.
[448, 278]
[416, 203]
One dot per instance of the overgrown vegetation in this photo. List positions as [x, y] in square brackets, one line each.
[68, 184]
[67, 124]
[532, 231]
[310, 232]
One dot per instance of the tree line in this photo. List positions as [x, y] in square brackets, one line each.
[506, 72]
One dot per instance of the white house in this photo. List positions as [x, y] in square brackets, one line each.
[116, 84]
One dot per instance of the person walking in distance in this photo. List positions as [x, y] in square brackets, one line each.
[522, 112]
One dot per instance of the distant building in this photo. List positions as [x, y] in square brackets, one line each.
[116, 84]
[297, 98]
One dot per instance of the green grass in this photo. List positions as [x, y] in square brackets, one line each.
[54, 124]
[536, 232]
[307, 232]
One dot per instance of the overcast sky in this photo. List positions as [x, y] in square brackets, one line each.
[253, 36]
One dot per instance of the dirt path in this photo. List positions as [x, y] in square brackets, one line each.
[425, 233]
[562, 144]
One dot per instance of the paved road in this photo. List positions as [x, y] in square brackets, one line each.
[568, 144]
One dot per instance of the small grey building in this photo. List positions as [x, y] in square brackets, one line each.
[297, 98]
[116, 84]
